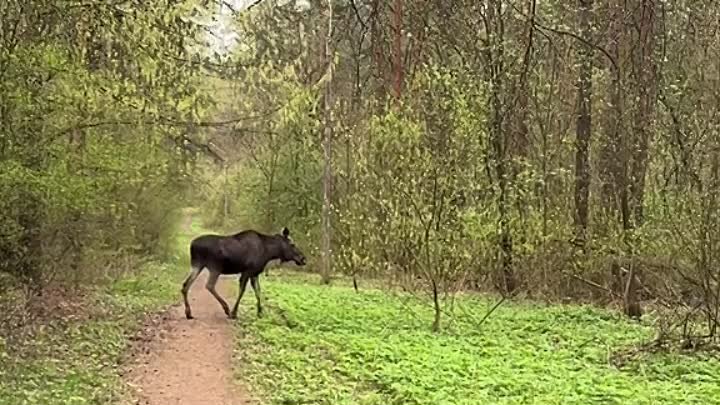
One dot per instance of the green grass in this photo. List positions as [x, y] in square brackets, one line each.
[320, 345]
[76, 361]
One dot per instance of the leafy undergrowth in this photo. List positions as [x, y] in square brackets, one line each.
[330, 345]
[75, 360]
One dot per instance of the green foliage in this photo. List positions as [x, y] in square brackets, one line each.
[75, 361]
[335, 346]
[276, 181]
[486, 108]
[87, 172]
[416, 176]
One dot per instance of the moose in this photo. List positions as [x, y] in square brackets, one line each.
[245, 253]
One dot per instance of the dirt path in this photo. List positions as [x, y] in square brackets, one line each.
[188, 362]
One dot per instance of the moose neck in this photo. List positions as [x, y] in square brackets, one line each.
[273, 248]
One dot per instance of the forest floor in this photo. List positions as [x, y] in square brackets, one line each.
[333, 346]
[128, 343]
[188, 362]
[73, 355]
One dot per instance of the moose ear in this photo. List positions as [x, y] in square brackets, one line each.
[285, 232]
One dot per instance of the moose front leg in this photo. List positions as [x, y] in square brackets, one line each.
[243, 284]
[255, 283]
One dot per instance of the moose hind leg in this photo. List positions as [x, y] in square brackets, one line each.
[255, 283]
[243, 284]
[186, 288]
[210, 285]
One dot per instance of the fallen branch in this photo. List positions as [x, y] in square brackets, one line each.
[591, 283]
[490, 312]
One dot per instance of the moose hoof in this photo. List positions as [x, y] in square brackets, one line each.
[232, 315]
[189, 316]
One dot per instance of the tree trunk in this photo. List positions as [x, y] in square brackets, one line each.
[377, 49]
[612, 149]
[584, 126]
[644, 72]
[496, 32]
[398, 60]
[327, 152]
[436, 306]
[631, 302]
[226, 202]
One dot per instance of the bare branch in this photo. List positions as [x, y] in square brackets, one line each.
[362, 22]
[170, 123]
[533, 20]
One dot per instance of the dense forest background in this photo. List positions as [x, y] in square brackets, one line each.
[558, 150]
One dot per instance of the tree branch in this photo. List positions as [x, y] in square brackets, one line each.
[169, 123]
[539, 26]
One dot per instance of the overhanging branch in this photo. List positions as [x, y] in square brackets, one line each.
[168, 123]
[537, 25]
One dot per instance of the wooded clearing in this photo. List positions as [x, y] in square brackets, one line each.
[499, 201]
